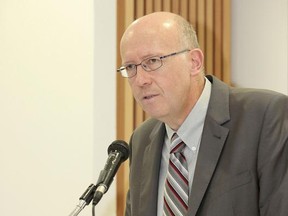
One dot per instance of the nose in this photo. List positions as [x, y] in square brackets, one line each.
[142, 77]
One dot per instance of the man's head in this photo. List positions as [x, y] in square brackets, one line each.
[169, 92]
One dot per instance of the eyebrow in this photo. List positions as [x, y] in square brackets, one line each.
[143, 58]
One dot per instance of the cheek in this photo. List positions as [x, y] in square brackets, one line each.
[178, 89]
[134, 89]
[178, 82]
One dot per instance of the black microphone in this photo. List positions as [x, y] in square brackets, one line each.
[118, 152]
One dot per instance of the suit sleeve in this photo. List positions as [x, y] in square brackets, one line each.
[273, 159]
[128, 198]
[128, 205]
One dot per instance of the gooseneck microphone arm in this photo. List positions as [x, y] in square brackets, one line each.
[118, 152]
[84, 200]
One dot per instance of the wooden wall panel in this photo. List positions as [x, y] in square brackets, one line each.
[226, 41]
[149, 6]
[125, 109]
[175, 6]
[158, 5]
[200, 24]
[140, 8]
[192, 12]
[166, 5]
[211, 20]
[217, 39]
[184, 9]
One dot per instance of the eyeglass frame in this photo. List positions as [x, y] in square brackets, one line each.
[160, 58]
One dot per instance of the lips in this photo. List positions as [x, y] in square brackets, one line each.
[147, 97]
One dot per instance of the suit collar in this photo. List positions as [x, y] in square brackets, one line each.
[218, 108]
[213, 139]
[151, 163]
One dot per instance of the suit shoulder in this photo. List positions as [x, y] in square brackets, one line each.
[147, 131]
[256, 95]
[147, 127]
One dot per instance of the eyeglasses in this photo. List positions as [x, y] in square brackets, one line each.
[149, 64]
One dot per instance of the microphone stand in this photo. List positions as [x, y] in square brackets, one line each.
[89, 194]
[120, 153]
[78, 208]
[85, 199]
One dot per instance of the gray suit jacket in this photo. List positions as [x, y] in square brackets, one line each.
[242, 166]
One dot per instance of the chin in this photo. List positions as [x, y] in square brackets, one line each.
[155, 114]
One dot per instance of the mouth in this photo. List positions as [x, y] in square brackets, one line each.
[148, 97]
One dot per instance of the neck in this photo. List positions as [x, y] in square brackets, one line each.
[176, 120]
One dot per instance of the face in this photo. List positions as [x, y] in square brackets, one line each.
[166, 93]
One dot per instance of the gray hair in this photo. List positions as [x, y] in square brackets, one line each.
[188, 36]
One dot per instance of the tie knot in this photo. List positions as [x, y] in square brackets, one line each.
[178, 148]
[177, 145]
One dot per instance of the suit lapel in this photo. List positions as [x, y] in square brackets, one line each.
[213, 139]
[150, 172]
[210, 149]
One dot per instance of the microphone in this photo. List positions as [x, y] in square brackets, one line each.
[118, 152]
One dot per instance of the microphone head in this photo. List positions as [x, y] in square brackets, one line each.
[121, 146]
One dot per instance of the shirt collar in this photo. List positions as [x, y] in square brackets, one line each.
[191, 130]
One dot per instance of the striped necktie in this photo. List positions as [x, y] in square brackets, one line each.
[176, 189]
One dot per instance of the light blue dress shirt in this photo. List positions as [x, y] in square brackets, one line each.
[190, 132]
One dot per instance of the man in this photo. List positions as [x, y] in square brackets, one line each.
[234, 157]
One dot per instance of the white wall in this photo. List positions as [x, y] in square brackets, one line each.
[260, 44]
[57, 103]
[104, 96]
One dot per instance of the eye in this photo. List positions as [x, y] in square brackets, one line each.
[130, 67]
[152, 61]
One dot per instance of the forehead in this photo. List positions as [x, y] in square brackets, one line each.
[148, 40]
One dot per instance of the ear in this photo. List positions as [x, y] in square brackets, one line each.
[197, 60]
